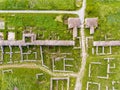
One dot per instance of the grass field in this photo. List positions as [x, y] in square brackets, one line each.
[108, 13]
[25, 79]
[39, 4]
[101, 70]
[75, 54]
[44, 25]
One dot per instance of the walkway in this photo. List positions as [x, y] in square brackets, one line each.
[38, 11]
[80, 76]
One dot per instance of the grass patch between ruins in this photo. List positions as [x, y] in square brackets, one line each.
[108, 14]
[61, 52]
[101, 70]
[25, 78]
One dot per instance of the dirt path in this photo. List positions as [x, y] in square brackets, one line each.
[32, 65]
[19, 66]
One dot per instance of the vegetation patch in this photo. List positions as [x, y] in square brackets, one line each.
[100, 70]
[108, 14]
[39, 4]
[43, 25]
[23, 79]
[61, 52]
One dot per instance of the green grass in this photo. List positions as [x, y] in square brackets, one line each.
[24, 79]
[31, 50]
[100, 70]
[38, 4]
[16, 56]
[72, 83]
[6, 49]
[59, 65]
[93, 87]
[108, 14]
[44, 25]
[28, 39]
[6, 58]
[60, 84]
